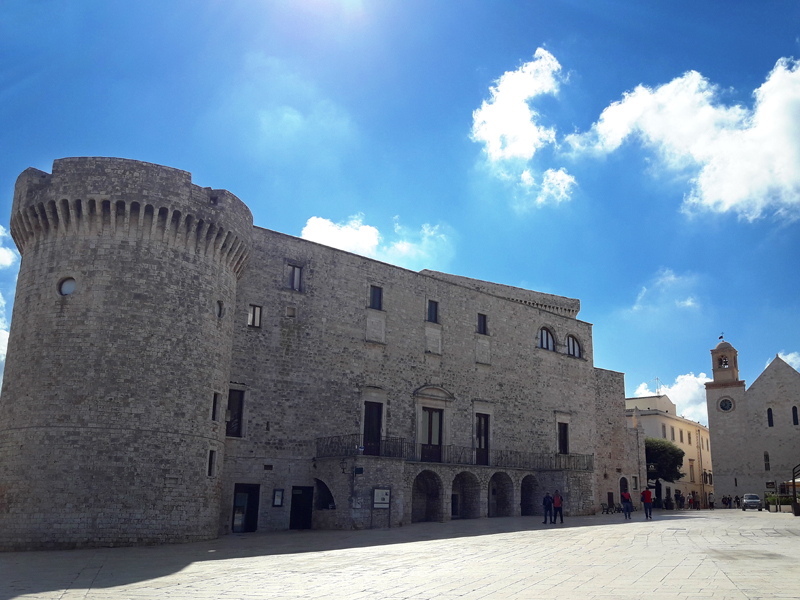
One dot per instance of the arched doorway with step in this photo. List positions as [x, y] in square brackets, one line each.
[623, 486]
[465, 500]
[426, 498]
[501, 495]
[529, 496]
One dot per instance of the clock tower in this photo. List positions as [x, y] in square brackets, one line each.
[727, 417]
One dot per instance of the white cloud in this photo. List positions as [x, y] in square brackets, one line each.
[791, 358]
[556, 187]
[740, 159]
[688, 393]
[351, 235]
[429, 247]
[8, 256]
[511, 133]
[667, 289]
[506, 124]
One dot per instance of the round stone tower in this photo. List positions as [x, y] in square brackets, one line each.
[112, 413]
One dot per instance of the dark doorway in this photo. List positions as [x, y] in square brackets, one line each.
[426, 498]
[373, 421]
[501, 496]
[431, 447]
[481, 439]
[611, 499]
[302, 503]
[467, 489]
[528, 496]
[563, 438]
[623, 486]
[455, 512]
[245, 507]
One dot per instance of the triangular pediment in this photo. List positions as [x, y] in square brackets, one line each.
[778, 375]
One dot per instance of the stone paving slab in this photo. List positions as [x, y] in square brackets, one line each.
[723, 554]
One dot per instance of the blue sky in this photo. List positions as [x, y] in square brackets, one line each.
[643, 157]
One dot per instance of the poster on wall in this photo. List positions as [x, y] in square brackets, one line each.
[381, 498]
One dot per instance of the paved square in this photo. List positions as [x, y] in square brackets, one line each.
[707, 554]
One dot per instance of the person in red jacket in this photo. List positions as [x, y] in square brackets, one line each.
[647, 498]
[627, 504]
[557, 511]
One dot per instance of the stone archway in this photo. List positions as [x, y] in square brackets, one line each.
[501, 495]
[528, 496]
[426, 498]
[623, 485]
[466, 496]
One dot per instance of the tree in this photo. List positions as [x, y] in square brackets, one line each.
[666, 457]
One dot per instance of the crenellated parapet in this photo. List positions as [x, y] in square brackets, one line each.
[130, 200]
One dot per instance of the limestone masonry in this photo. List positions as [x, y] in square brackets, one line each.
[175, 373]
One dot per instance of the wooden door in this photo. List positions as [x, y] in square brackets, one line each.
[302, 505]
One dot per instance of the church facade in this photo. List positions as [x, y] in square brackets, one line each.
[175, 373]
[755, 431]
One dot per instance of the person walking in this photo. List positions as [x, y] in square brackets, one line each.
[691, 502]
[711, 500]
[547, 503]
[736, 500]
[627, 504]
[557, 508]
[647, 498]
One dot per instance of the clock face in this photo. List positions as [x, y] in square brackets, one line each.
[726, 404]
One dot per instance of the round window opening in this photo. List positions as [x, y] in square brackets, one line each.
[66, 287]
[219, 309]
[726, 404]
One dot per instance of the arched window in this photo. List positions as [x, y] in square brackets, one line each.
[769, 418]
[546, 339]
[794, 415]
[573, 347]
[766, 461]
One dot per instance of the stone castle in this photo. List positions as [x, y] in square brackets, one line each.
[175, 373]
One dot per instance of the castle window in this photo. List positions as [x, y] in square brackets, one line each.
[672, 433]
[635, 482]
[573, 347]
[794, 415]
[681, 436]
[710, 478]
[769, 418]
[688, 438]
[254, 316]
[663, 431]
[433, 311]
[723, 362]
[67, 286]
[295, 277]
[483, 328]
[235, 413]
[212, 462]
[215, 407]
[376, 297]
[766, 461]
[219, 309]
[546, 339]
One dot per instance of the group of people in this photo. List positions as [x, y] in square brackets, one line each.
[729, 502]
[553, 506]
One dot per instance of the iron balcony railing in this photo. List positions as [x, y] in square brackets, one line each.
[395, 447]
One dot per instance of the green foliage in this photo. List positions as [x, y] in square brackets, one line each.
[666, 457]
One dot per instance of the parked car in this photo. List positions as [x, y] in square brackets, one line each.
[751, 501]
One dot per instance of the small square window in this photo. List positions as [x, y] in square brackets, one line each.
[291, 312]
[433, 311]
[482, 325]
[295, 277]
[376, 297]
[254, 316]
